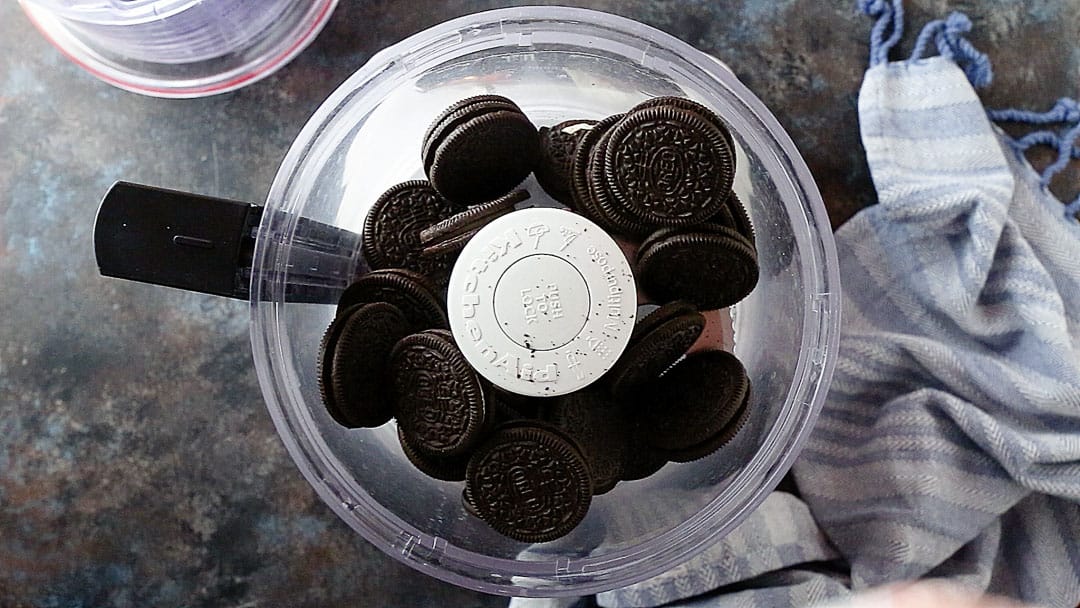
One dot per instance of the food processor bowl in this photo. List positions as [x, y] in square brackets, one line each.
[556, 64]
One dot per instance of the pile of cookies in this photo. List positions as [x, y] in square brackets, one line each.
[660, 176]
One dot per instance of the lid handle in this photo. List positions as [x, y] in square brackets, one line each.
[207, 244]
[177, 239]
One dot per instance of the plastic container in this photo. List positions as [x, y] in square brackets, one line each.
[556, 63]
[180, 48]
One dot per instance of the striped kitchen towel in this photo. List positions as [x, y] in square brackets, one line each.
[949, 445]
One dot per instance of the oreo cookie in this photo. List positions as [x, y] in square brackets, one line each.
[353, 362]
[740, 218]
[451, 468]
[640, 459]
[529, 482]
[468, 503]
[655, 349]
[391, 237]
[451, 234]
[602, 205]
[456, 115]
[514, 406]
[586, 189]
[481, 151]
[693, 401]
[410, 292]
[660, 315]
[672, 263]
[557, 146]
[600, 427]
[438, 398]
[667, 167]
[717, 441]
[705, 113]
[733, 216]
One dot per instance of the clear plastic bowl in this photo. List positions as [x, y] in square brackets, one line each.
[556, 63]
[180, 48]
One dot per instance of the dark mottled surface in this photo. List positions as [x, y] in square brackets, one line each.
[138, 465]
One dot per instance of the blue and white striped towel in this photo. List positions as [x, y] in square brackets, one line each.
[950, 442]
[949, 445]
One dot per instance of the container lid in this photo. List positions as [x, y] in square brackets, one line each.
[542, 302]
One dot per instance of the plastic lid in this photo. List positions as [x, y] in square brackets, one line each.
[542, 302]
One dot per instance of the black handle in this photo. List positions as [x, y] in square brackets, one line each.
[205, 244]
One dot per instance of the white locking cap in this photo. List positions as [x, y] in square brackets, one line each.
[542, 302]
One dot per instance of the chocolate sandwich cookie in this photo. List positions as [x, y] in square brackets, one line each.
[723, 227]
[468, 503]
[739, 217]
[353, 363]
[692, 402]
[451, 234]
[482, 155]
[580, 193]
[529, 482]
[456, 115]
[640, 459]
[710, 266]
[723, 217]
[557, 146]
[514, 406]
[667, 167]
[717, 441]
[600, 428]
[603, 206]
[438, 399]
[683, 103]
[448, 468]
[325, 366]
[391, 237]
[584, 187]
[660, 315]
[412, 293]
[733, 215]
[652, 351]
